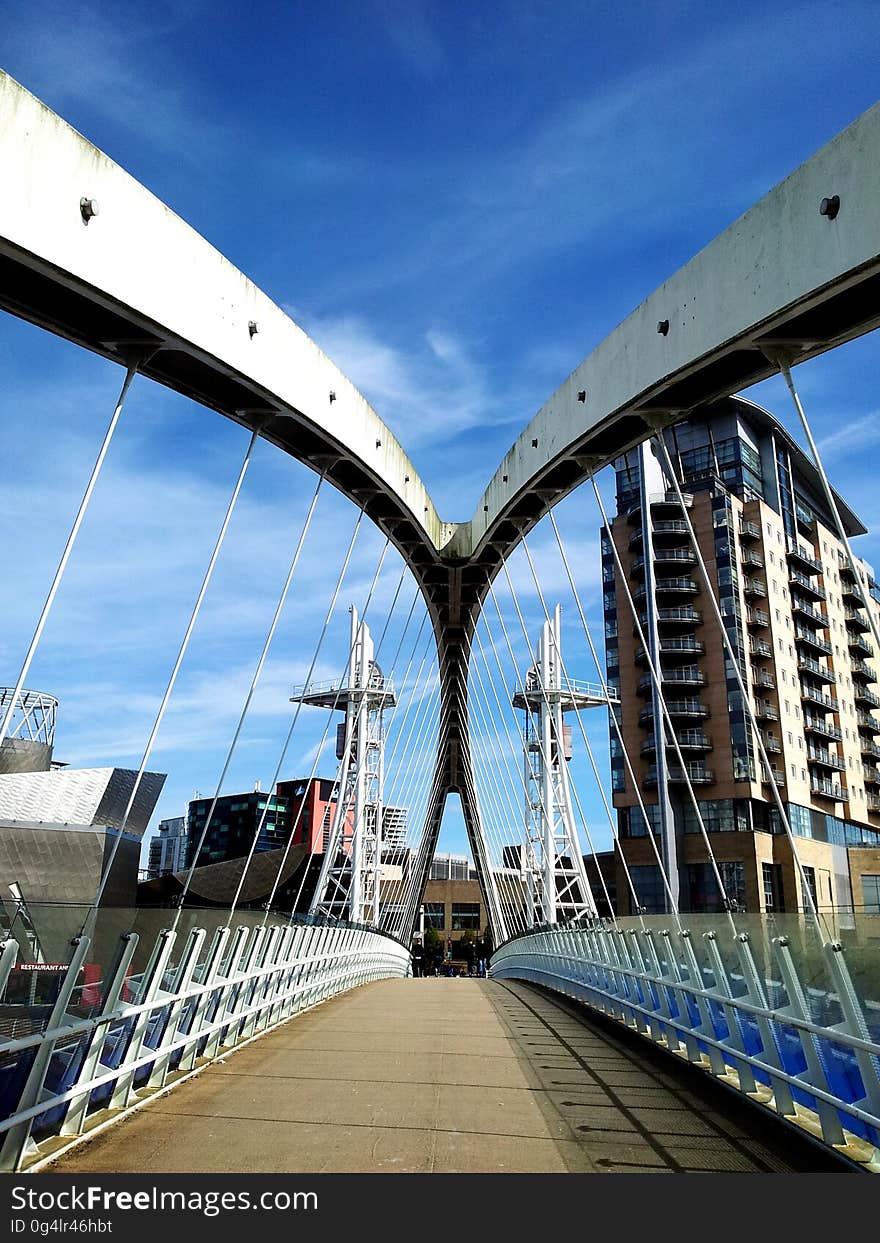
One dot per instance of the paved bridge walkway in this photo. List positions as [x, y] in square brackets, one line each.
[446, 1075]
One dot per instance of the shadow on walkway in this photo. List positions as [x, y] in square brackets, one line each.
[447, 1075]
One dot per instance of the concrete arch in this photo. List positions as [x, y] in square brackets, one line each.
[136, 279]
[785, 275]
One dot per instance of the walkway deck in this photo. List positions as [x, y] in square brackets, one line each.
[445, 1075]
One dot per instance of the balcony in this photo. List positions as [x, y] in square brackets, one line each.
[868, 723]
[751, 587]
[749, 530]
[814, 696]
[674, 619]
[861, 670]
[822, 672]
[851, 592]
[816, 725]
[803, 635]
[858, 643]
[758, 647]
[806, 519]
[771, 745]
[778, 777]
[665, 556]
[677, 586]
[857, 620]
[658, 500]
[766, 712]
[750, 557]
[873, 801]
[684, 678]
[757, 617]
[806, 585]
[662, 529]
[799, 605]
[698, 775]
[760, 678]
[870, 775]
[685, 586]
[677, 708]
[803, 557]
[819, 755]
[870, 749]
[684, 647]
[863, 696]
[828, 789]
[687, 739]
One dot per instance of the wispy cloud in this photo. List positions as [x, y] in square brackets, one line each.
[86, 59]
[427, 392]
[856, 436]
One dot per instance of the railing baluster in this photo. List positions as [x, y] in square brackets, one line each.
[113, 1004]
[151, 986]
[15, 1140]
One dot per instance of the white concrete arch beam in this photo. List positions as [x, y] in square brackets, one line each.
[800, 270]
[90, 254]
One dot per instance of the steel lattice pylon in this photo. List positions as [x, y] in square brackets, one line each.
[349, 881]
[557, 888]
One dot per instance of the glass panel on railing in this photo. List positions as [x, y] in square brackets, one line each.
[64, 1066]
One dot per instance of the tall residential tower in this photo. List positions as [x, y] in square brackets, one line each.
[798, 622]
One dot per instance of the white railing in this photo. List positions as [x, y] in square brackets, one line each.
[107, 1043]
[775, 1016]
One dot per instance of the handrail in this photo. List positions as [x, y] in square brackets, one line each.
[664, 997]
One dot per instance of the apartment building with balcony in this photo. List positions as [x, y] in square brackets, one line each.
[798, 623]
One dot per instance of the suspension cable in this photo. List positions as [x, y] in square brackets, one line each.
[505, 792]
[855, 568]
[501, 747]
[518, 684]
[509, 740]
[406, 889]
[485, 828]
[580, 722]
[318, 753]
[261, 660]
[130, 373]
[296, 715]
[588, 899]
[614, 722]
[734, 662]
[573, 788]
[667, 719]
[175, 670]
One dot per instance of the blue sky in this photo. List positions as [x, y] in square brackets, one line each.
[458, 202]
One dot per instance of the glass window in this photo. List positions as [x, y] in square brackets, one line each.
[871, 894]
[465, 915]
[810, 878]
[648, 884]
[704, 893]
[772, 882]
[435, 915]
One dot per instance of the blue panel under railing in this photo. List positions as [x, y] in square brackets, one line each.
[774, 1006]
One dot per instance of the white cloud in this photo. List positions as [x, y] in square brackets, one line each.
[428, 392]
[855, 436]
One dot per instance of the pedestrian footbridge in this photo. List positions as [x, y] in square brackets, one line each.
[280, 1028]
[310, 1047]
[445, 1076]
